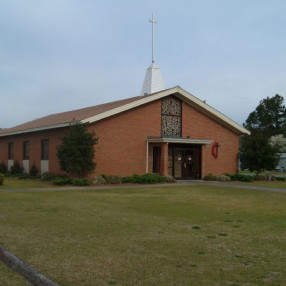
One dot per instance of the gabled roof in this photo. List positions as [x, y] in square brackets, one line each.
[99, 112]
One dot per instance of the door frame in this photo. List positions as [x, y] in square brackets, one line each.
[197, 149]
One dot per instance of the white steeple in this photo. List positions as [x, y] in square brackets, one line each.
[153, 81]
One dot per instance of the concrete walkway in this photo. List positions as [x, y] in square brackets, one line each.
[132, 186]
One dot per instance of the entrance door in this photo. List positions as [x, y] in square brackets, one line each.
[184, 162]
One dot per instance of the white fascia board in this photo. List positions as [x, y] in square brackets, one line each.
[180, 140]
[129, 106]
[186, 96]
[205, 107]
[35, 129]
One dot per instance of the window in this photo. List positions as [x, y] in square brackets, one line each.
[171, 117]
[26, 150]
[10, 151]
[45, 149]
[156, 159]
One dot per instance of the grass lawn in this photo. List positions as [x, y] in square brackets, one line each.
[195, 235]
[16, 183]
[271, 184]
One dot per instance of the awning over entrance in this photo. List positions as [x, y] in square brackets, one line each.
[179, 140]
[177, 157]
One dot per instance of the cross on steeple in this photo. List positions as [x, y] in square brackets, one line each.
[153, 22]
[153, 81]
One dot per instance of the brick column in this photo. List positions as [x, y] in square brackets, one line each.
[164, 159]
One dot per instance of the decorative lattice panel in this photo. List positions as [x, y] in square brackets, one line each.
[171, 116]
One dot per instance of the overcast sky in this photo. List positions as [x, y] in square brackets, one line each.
[59, 55]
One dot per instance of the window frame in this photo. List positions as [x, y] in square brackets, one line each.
[45, 149]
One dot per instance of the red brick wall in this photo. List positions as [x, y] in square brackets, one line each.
[34, 147]
[197, 125]
[122, 142]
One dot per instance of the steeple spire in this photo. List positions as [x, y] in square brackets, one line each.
[153, 81]
[153, 22]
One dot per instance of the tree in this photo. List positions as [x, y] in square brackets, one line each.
[269, 117]
[257, 154]
[76, 153]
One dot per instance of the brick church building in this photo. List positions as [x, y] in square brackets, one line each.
[164, 131]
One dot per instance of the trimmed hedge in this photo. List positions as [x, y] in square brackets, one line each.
[61, 181]
[81, 182]
[144, 179]
[209, 177]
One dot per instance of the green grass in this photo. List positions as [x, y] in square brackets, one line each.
[271, 184]
[196, 235]
[16, 183]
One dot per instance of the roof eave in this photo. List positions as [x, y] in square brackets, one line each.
[35, 129]
[185, 96]
[181, 93]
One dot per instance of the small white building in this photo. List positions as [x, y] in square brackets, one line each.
[282, 163]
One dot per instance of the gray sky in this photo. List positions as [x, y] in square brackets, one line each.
[59, 55]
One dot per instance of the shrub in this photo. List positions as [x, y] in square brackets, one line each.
[169, 179]
[34, 171]
[3, 168]
[280, 178]
[112, 179]
[246, 178]
[260, 178]
[209, 177]
[16, 169]
[99, 180]
[223, 178]
[80, 182]
[47, 176]
[144, 179]
[241, 178]
[23, 176]
[2, 179]
[273, 178]
[61, 180]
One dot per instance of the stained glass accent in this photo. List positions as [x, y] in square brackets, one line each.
[171, 117]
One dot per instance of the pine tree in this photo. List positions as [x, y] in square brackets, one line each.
[258, 154]
[76, 153]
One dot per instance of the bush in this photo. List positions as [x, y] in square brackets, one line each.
[34, 171]
[80, 182]
[260, 178]
[223, 178]
[111, 179]
[280, 178]
[23, 176]
[2, 179]
[209, 177]
[241, 178]
[16, 169]
[61, 180]
[99, 180]
[169, 179]
[144, 179]
[3, 168]
[47, 176]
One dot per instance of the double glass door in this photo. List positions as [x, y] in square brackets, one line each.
[184, 161]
